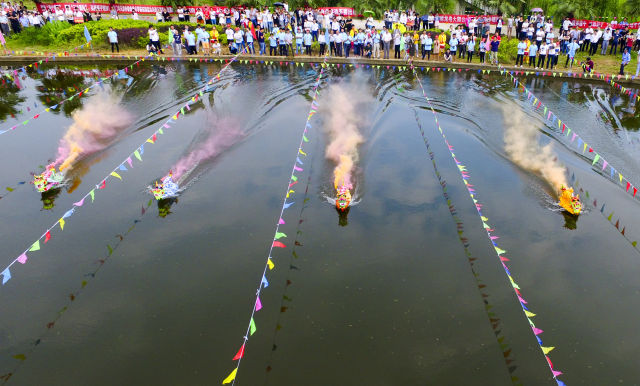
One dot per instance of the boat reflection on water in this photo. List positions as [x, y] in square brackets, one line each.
[48, 198]
[164, 206]
[343, 221]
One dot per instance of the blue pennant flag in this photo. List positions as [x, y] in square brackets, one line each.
[87, 35]
[264, 282]
[6, 275]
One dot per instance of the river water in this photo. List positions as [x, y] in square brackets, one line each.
[384, 297]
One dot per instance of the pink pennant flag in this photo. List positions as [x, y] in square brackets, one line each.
[22, 258]
[278, 244]
[297, 169]
[258, 304]
[537, 331]
[79, 203]
[604, 164]
[556, 373]
[281, 221]
[130, 162]
[522, 300]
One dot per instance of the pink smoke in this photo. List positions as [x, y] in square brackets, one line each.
[217, 142]
[94, 127]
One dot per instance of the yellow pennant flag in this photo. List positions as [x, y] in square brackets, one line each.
[270, 263]
[546, 350]
[116, 175]
[483, 218]
[301, 152]
[231, 377]
[61, 222]
[529, 314]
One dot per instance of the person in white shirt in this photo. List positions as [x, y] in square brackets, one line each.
[154, 39]
[566, 24]
[59, 14]
[606, 37]
[134, 15]
[386, 42]
[595, 39]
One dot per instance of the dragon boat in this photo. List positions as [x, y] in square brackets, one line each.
[570, 202]
[49, 179]
[343, 198]
[166, 188]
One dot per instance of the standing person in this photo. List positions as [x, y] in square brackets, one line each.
[499, 26]
[299, 37]
[571, 53]
[288, 36]
[453, 47]
[482, 50]
[260, 39]
[606, 37]
[273, 44]
[307, 39]
[510, 26]
[397, 40]
[442, 41]
[176, 41]
[533, 50]
[154, 39]
[542, 56]
[495, 43]
[375, 44]
[386, 42]
[595, 40]
[113, 39]
[190, 41]
[552, 55]
[615, 38]
[251, 49]
[204, 42]
[428, 46]
[638, 65]
[471, 46]
[521, 47]
[626, 58]
[322, 41]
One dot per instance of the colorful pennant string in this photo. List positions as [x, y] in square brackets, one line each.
[464, 174]
[138, 152]
[621, 228]
[286, 299]
[50, 55]
[581, 144]
[79, 93]
[252, 328]
[21, 357]
[494, 320]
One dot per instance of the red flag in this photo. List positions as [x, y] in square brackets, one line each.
[240, 353]
[47, 237]
[253, 32]
[279, 244]
[635, 190]
[628, 186]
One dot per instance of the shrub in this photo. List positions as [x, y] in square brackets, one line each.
[45, 36]
[508, 50]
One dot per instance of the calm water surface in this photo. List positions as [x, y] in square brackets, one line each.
[388, 299]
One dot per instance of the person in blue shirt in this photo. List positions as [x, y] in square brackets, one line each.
[359, 44]
[615, 38]
[282, 43]
[190, 40]
[521, 47]
[307, 39]
[346, 43]
[250, 48]
[626, 58]
[260, 39]
[571, 53]
[273, 43]
[453, 47]
[533, 50]
[299, 36]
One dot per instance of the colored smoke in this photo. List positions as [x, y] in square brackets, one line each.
[225, 135]
[344, 115]
[95, 126]
[521, 145]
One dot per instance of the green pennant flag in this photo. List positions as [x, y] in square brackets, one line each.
[93, 194]
[252, 327]
[595, 159]
[294, 178]
[279, 235]
[137, 154]
[110, 249]
[304, 138]
[160, 131]
[35, 246]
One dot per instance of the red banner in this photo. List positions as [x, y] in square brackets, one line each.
[581, 23]
[464, 19]
[124, 8]
[343, 11]
[152, 9]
